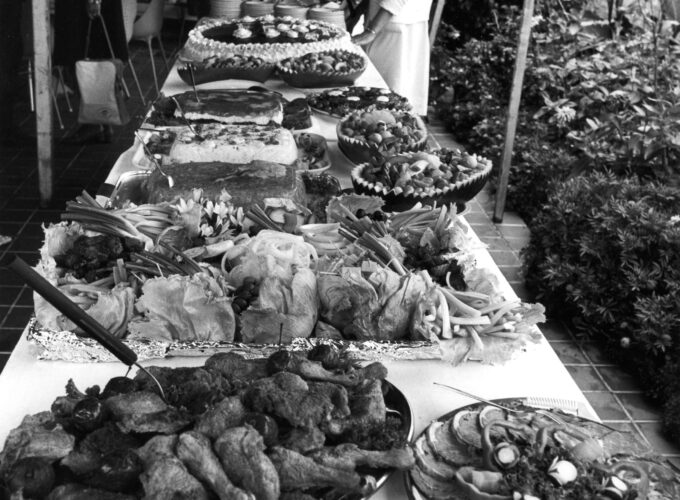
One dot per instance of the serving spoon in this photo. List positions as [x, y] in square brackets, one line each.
[152, 157]
[73, 312]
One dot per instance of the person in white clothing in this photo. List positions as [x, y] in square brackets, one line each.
[396, 39]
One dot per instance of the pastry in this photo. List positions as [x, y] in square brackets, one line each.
[234, 144]
[231, 106]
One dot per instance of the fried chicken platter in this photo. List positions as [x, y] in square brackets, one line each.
[295, 426]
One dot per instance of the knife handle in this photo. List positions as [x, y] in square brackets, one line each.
[69, 308]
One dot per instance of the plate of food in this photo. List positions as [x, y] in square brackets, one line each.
[436, 176]
[323, 69]
[339, 102]
[483, 452]
[313, 154]
[234, 67]
[308, 424]
[363, 136]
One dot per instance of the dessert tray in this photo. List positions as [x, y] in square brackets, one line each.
[341, 101]
[483, 452]
[364, 136]
[436, 176]
[233, 68]
[268, 37]
[330, 68]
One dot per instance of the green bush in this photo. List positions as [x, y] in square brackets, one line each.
[604, 104]
[605, 255]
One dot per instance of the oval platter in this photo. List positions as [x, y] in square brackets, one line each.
[456, 437]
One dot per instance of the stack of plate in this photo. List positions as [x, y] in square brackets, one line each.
[332, 16]
[297, 11]
[254, 8]
[225, 8]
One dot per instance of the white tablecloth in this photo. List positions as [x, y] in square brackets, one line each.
[29, 386]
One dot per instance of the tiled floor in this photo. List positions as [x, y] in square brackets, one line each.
[614, 395]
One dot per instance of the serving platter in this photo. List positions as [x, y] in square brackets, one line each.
[186, 407]
[619, 447]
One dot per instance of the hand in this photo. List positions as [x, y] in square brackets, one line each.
[364, 38]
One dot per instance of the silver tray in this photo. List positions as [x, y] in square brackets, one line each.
[67, 346]
[130, 187]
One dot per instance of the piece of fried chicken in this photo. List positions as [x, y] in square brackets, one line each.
[165, 476]
[195, 451]
[241, 452]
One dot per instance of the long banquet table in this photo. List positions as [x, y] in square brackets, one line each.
[28, 385]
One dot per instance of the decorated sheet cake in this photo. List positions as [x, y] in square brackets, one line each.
[271, 38]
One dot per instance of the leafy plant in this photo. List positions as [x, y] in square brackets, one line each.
[605, 255]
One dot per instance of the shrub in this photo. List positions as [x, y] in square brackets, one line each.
[605, 255]
[604, 104]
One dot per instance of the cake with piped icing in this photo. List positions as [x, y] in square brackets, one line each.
[271, 38]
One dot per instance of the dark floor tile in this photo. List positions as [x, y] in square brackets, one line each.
[3, 361]
[594, 353]
[32, 230]
[26, 244]
[586, 378]
[511, 273]
[606, 406]
[25, 202]
[31, 258]
[9, 294]
[521, 291]
[618, 379]
[10, 215]
[18, 317]
[640, 407]
[8, 280]
[45, 216]
[25, 297]
[658, 439]
[553, 330]
[9, 338]
[568, 352]
[504, 257]
[485, 230]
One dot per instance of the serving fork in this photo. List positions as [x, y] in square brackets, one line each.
[541, 404]
[152, 157]
[198, 136]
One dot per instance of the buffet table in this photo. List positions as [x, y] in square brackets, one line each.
[28, 385]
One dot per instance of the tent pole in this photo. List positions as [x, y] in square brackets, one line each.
[42, 66]
[436, 20]
[513, 109]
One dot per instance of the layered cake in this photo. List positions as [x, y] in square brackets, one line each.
[271, 38]
[231, 106]
[248, 184]
[234, 144]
